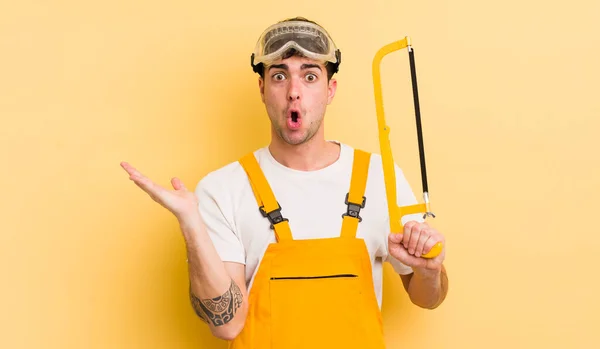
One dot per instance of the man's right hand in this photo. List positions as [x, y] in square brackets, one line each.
[180, 201]
[217, 289]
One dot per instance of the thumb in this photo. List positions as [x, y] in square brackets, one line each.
[396, 238]
[178, 184]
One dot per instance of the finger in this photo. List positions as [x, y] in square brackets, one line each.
[401, 254]
[431, 242]
[397, 250]
[127, 167]
[144, 187]
[407, 232]
[423, 238]
[178, 184]
[147, 185]
[140, 180]
[131, 170]
[143, 182]
[414, 238]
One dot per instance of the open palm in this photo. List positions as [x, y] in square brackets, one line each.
[180, 201]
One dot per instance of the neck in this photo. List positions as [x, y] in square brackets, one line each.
[310, 156]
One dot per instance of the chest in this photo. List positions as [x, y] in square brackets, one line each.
[314, 211]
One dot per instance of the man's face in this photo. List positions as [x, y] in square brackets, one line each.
[296, 93]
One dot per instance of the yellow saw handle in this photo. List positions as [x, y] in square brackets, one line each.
[397, 212]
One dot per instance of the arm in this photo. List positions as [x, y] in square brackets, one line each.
[425, 280]
[427, 285]
[217, 289]
[426, 289]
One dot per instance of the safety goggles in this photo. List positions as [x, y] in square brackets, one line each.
[308, 38]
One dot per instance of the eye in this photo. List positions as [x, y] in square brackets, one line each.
[278, 76]
[311, 77]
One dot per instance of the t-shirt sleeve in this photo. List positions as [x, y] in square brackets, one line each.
[214, 208]
[405, 197]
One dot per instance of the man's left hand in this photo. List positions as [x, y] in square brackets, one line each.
[416, 240]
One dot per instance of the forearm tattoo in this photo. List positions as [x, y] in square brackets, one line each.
[219, 310]
[196, 305]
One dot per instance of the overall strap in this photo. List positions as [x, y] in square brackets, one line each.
[355, 199]
[268, 205]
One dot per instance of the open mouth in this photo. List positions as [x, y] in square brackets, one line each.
[294, 120]
[294, 116]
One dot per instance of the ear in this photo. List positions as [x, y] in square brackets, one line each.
[331, 88]
[261, 87]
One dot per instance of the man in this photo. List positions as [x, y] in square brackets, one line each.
[284, 248]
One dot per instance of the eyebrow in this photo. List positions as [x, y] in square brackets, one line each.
[303, 66]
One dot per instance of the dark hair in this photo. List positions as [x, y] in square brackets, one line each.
[331, 68]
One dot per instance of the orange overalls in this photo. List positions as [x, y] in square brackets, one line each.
[313, 293]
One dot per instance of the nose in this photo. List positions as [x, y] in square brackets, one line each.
[293, 96]
[294, 90]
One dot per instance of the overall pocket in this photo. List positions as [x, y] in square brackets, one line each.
[314, 277]
[319, 311]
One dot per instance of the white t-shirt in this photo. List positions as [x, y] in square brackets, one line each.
[313, 201]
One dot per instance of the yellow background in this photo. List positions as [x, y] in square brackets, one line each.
[510, 113]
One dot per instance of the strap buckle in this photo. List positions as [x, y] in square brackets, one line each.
[274, 216]
[353, 209]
